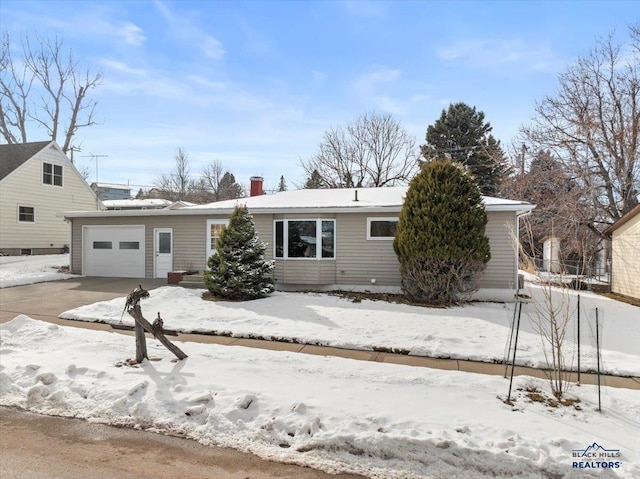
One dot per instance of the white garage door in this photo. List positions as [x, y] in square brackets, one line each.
[116, 251]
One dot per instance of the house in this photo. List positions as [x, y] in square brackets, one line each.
[111, 191]
[625, 254]
[37, 181]
[319, 239]
[137, 204]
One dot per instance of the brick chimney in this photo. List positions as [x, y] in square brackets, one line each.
[256, 186]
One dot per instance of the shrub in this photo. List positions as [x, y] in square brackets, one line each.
[440, 240]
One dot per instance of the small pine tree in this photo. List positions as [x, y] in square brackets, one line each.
[282, 186]
[440, 240]
[238, 269]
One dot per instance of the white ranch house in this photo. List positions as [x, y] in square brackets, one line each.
[319, 239]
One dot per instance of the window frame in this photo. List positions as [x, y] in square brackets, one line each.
[371, 219]
[33, 214]
[207, 242]
[53, 174]
[285, 239]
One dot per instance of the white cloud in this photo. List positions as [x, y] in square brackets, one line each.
[212, 47]
[121, 67]
[132, 34]
[491, 53]
[184, 28]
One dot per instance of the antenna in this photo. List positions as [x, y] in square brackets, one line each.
[95, 157]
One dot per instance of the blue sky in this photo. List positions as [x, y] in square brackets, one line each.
[255, 84]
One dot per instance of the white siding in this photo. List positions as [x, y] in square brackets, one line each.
[24, 187]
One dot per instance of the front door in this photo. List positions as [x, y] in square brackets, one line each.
[163, 251]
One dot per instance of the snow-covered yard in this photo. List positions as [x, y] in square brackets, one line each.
[380, 420]
[19, 270]
[479, 331]
[340, 415]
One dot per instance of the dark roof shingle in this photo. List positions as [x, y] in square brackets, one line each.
[14, 155]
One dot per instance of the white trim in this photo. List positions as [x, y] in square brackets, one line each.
[380, 218]
[156, 231]
[207, 241]
[53, 165]
[22, 222]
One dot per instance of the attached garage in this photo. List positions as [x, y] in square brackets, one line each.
[114, 251]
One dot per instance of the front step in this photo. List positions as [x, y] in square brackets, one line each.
[193, 281]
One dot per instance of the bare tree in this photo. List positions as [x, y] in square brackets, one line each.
[178, 184]
[373, 151]
[556, 194]
[45, 85]
[210, 181]
[593, 126]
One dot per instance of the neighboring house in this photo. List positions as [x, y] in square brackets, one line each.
[111, 191]
[320, 239]
[625, 254]
[137, 204]
[37, 182]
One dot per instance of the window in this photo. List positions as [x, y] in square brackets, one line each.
[381, 228]
[26, 252]
[214, 228]
[304, 239]
[52, 174]
[129, 245]
[102, 245]
[26, 214]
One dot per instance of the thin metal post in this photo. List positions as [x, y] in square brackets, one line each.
[598, 358]
[511, 330]
[515, 348]
[578, 340]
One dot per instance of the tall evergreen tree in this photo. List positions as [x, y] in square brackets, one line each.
[228, 188]
[238, 269]
[314, 181]
[462, 134]
[282, 185]
[440, 240]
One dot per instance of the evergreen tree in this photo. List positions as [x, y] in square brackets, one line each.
[440, 240]
[229, 189]
[282, 186]
[314, 181]
[238, 269]
[462, 134]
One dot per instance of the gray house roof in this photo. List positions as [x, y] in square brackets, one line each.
[13, 156]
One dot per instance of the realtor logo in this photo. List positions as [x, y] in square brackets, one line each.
[596, 456]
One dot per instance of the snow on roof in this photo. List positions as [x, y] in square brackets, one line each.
[370, 200]
[114, 186]
[341, 198]
[137, 203]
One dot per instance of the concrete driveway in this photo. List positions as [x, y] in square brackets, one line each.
[45, 301]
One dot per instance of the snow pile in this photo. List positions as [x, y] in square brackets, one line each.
[339, 415]
[19, 270]
[479, 331]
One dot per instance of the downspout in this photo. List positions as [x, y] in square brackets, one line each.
[517, 251]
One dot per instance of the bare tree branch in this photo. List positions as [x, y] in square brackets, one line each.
[43, 84]
[372, 151]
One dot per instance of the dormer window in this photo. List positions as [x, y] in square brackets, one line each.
[51, 174]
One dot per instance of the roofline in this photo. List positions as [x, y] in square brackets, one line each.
[622, 221]
[28, 159]
[516, 208]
